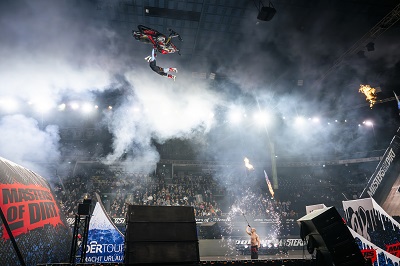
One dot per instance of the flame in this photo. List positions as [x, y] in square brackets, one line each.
[247, 164]
[271, 190]
[370, 93]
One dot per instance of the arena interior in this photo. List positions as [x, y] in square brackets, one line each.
[277, 105]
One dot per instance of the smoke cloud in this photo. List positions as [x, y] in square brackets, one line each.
[23, 142]
[53, 51]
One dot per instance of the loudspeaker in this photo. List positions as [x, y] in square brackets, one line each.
[142, 213]
[327, 232]
[162, 253]
[161, 235]
[161, 231]
[209, 230]
[266, 13]
[84, 209]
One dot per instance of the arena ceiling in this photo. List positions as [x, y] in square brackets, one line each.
[315, 49]
[216, 30]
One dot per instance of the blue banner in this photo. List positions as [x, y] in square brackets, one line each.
[105, 242]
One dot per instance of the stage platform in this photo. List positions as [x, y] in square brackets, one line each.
[210, 251]
[287, 262]
[272, 260]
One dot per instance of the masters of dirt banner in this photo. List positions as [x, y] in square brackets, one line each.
[386, 173]
[370, 221]
[105, 242]
[34, 217]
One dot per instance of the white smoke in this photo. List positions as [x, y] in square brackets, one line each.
[23, 142]
[49, 53]
[159, 109]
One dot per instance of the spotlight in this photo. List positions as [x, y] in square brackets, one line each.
[370, 47]
[62, 106]
[299, 120]
[87, 107]
[42, 105]
[74, 106]
[261, 118]
[235, 115]
[315, 119]
[368, 123]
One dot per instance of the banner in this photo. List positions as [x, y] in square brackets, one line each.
[385, 175]
[370, 221]
[379, 257]
[105, 241]
[277, 242]
[34, 218]
[222, 220]
[28, 207]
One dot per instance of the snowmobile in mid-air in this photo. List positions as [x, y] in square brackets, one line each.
[162, 43]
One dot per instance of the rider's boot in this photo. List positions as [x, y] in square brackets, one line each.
[173, 69]
[171, 76]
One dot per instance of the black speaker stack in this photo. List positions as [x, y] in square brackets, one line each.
[161, 235]
[328, 236]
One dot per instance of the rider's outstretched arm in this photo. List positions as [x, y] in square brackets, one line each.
[153, 54]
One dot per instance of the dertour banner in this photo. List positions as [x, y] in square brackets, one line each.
[105, 241]
[34, 218]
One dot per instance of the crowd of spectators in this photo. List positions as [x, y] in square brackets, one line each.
[201, 191]
[210, 197]
[156, 191]
[116, 192]
[329, 187]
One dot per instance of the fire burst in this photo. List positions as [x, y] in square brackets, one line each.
[247, 164]
[370, 93]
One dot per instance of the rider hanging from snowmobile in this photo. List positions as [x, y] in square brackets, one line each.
[159, 70]
[162, 43]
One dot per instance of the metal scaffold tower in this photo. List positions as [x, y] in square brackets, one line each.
[80, 234]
